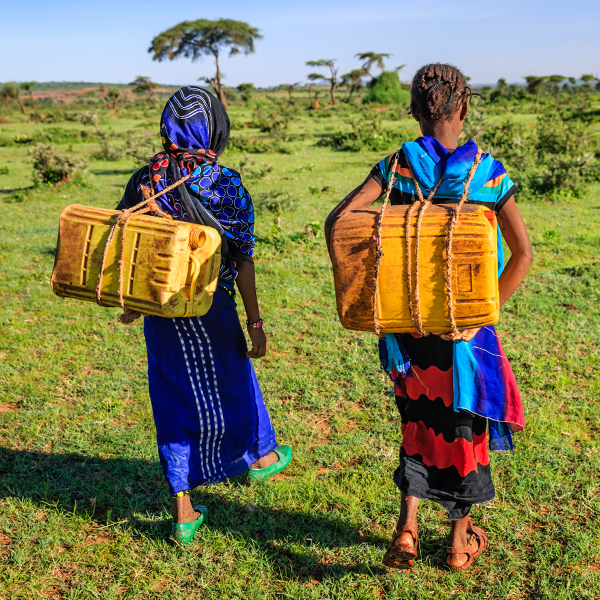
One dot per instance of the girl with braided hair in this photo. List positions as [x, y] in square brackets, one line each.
[455, 392]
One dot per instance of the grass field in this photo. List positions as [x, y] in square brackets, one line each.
[84, 510]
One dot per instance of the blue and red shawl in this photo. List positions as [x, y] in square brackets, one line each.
[483, 381]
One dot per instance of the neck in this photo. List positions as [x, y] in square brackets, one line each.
[443, 132]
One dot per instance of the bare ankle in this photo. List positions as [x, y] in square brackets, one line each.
[265, 461]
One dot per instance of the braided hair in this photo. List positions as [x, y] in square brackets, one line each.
[438, 91]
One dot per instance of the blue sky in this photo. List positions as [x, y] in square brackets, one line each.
[92, 40]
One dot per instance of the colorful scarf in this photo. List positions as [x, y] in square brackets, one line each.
[194, 130]
[483, 382]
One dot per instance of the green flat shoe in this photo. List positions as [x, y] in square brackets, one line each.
[183, 533]
[261, 475]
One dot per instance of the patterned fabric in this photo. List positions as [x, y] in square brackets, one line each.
[491, 186]
[211, 420]
[448, 392]
[444, 453]
[429, 161]
[194, 132]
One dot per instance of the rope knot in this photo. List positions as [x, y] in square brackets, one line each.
[123, 217]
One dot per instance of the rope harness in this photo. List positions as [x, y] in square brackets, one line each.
[124, 216]
[414, 297]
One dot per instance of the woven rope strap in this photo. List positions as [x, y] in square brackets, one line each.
[123, 217]
[378, 244]
[450, 231]
[414, 294]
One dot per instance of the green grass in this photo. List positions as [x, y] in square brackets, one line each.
[84, 510]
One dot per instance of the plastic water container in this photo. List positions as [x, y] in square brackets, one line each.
[170, 267]
[474, 268]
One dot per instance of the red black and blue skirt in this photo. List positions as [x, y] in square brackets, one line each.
[444, 453]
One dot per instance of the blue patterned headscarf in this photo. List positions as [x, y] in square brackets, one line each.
[194, 130]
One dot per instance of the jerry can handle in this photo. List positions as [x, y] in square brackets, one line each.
[194, 282]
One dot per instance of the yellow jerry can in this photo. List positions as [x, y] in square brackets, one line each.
[474, 274]
[170, 268]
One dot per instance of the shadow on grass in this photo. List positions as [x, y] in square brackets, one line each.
[133, 491]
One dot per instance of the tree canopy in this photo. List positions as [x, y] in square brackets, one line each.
[370, 59]
[144, 85]
[333, 79]
[11, 91]
[195, 39]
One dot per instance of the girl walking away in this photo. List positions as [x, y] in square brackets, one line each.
[211, 421]
[455, 392]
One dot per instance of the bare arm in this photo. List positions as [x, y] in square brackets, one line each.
[362, 197]
[515, 234]
[246, 282]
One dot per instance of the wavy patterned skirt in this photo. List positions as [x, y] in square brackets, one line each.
[444, 454]
[211, 420]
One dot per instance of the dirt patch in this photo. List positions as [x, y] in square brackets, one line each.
[8, 407]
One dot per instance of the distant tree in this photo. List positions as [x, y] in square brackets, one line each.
[333, 79]
[144, 85]
[246, 89]
[370, 59]
[289, 88]
[111, 96]
[312, 77]
[587, 82]
[572, 80]
[501, 85]
[193, 39]
[27, 86]
[11, 91]
[534, 84]
[353, 81]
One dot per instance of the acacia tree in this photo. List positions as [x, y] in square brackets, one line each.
[11, 91]
[312, 77]
[534, 84]
[588, 78]
[370, 59]
[193, 39]
[353, 81]
[111, 96]
[246, 90]
[144, 85]
[333, 79]
[27, 86]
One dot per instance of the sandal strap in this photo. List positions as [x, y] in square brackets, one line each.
[407, 528]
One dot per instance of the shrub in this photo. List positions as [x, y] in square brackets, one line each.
[366, 135]
[387, 89]
[141, 145]
[48, 167]
[257, 146]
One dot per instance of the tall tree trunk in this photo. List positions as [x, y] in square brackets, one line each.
[219, 87]
[21, 105]
[331, 89]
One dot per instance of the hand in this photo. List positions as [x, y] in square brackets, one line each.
[259, 342]
[466, 335]
[469, 334]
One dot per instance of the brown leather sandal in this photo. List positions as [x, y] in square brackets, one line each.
[402, 557]
[477, 535]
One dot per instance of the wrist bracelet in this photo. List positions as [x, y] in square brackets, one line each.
[256, 325]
